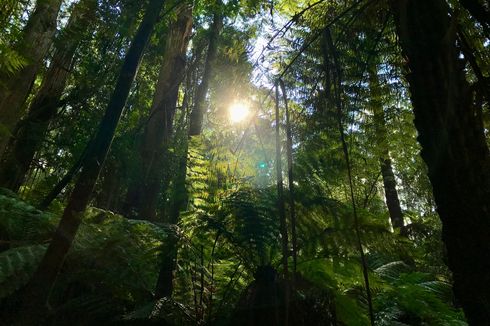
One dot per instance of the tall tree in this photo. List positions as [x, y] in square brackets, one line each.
[179, 192]
[33, 46]
[30, 132]
[453, 146]
[197, 113]
[158, 130]
[36, 293]
[381, 135]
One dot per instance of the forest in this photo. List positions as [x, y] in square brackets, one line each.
[245, 162]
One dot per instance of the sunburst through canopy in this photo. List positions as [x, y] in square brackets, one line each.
[238, 112]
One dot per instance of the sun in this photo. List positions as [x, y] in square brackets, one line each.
[238, 112]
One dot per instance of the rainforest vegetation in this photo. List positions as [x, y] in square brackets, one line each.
[244, 162]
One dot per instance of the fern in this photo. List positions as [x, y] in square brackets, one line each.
[415, 297]
[16, 267]
[338, 279]
[10, 60]
[20, 221]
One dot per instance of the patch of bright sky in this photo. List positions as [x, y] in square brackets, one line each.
[64, 14]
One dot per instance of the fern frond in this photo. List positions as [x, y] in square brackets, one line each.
[17, 266]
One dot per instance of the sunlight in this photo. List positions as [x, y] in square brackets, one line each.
[238, 112]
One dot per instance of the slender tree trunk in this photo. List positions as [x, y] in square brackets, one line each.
[30, 132]
[381, 137]
[391, 194]
[289, 151]
[330, 57]
[164, 286]
[158, 131]
[37, 291]
[34, 45]
[281, 209]
[453, 147]
[110, 186]
[197, 114]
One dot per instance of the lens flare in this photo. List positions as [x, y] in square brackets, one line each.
[238, 112]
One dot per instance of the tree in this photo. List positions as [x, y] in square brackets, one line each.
[453, 146]
[389, 181]
[197, 113]
[31, 131]
[36, 293]
[158, 129]
[34, 45]
[166, 277]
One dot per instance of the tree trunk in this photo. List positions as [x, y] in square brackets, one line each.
[37, 291]
[281, 209]
[110, 186]
[30, 132]
[197, 114]
[391, 194]
[179, 197]
[289, 152]
[381, 138]
[158, 130]
[34, 45]
[453, 147]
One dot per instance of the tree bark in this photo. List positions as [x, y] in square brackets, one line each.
[197, 113]
[36, 293]
[30, 132]
[164, 286]
[158, 131]
[34, 45]
[110, 186]
[453, 147]
[381, 137]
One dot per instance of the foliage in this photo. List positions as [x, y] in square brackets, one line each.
[16, 267]
[121, 256]
[225, 218]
